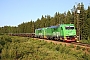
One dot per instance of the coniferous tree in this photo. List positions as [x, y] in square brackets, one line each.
[48, 21]
[68, 18]
[37, 23]
[88, 21]
[83, 26]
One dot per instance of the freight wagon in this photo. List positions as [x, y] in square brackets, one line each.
[64, 32]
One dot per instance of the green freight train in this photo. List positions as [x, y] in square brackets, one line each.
[64, 32]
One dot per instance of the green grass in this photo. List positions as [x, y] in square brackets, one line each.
[85, 41]
[22, 48]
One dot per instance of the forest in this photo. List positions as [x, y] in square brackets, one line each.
[69, 17]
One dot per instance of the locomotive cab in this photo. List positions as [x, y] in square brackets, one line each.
[69, 33]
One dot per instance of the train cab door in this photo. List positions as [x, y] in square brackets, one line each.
[62, 31]
[45, 33]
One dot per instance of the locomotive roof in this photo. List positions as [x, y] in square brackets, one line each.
[53, 27]
[39, 28]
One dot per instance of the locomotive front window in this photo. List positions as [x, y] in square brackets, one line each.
[69, 27]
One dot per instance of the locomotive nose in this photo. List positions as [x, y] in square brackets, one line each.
[70, 33]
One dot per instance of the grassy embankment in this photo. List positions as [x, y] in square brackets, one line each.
[22, 48]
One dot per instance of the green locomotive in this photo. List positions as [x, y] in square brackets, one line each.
[64, 32]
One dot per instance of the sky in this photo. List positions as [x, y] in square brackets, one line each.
[15, 12]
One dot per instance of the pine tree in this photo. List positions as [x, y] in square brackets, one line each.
[68, 18]
[88, 21]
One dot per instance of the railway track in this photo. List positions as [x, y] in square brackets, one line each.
[81, 44]
[74, 43]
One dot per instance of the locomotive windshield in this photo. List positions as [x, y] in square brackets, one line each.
[69, 27]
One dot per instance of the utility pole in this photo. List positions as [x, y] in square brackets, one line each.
[76, 11]
[78, 26]
[78, 20]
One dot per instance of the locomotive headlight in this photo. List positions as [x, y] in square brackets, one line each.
[76, 38]
[65, 38]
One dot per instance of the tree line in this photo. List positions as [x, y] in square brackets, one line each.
[69, 17]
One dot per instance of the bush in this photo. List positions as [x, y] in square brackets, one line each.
[83, 49]
[85, 56]
[5, 39]
[85, 41]
[28, 49]
[1, 48]
[71, 46]
[89, 50]
[78, 48]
